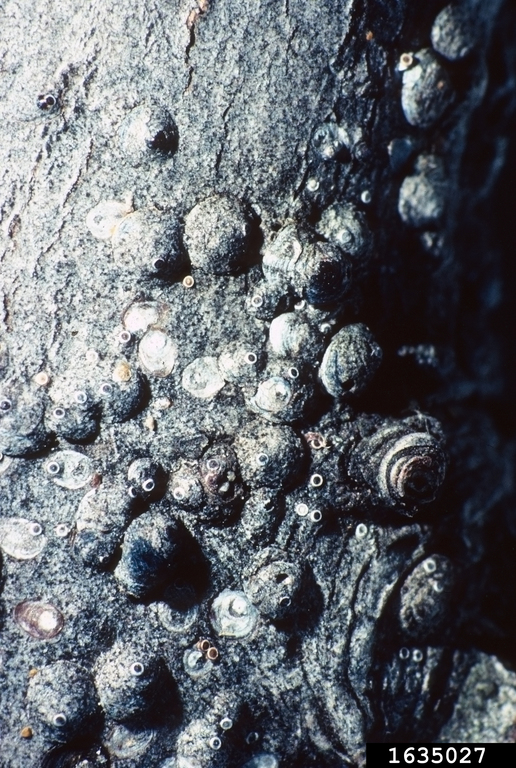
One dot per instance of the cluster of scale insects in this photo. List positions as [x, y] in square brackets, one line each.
[299, 451]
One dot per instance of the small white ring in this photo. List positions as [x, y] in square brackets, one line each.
[302, 509]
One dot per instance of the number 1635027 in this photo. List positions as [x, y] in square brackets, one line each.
[436, 755]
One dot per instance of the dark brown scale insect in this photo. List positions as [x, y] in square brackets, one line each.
[220, 475]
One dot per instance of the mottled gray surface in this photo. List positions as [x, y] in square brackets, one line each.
[195, 199]
[486, 709]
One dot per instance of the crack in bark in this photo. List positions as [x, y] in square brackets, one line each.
[225, 128]
[191, 21]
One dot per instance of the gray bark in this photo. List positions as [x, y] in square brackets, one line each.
[360, 511]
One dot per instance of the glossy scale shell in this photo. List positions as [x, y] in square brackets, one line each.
[232, 614]
[69, 469]
[40, 620]
[202, 378]
[103, 219]
[323, 274]
[21, 539]
[284, 394]
[273, 583]
[157, 352]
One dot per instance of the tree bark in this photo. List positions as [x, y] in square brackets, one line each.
[216, 219]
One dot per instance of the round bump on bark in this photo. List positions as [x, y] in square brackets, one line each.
[322, 275]
[123, 396]
[147, 132]
[217, 235]
[75, 418]
[102, 517]
[22, 424]
[63, 698]
[422, 198]
[350, 361]
[127, 680]
[347, 228]
[152, 551]
[149, 243]
[148, 478]
[185, 487]
[425, 598]
[426, 92]
[269, 456]
[454, 31]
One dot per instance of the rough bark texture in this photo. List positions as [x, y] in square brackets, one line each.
[255, 473]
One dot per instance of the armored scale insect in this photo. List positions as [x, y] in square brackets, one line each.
[249, 466]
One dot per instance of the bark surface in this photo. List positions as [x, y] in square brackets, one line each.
[256, 491]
